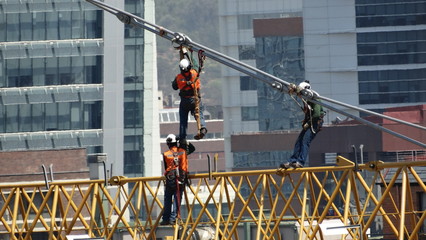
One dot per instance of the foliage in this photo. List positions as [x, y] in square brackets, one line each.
[198, 19]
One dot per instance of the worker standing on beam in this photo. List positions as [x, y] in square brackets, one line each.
[175, 161]
[311, 125]
[188, 83]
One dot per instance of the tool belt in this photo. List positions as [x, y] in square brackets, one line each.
[173, 178]
[186, 93]
[315, 124]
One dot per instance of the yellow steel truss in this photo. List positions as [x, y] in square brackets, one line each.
[263, 199]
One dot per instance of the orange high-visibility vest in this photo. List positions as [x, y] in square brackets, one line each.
[189, 76]
[174, 155]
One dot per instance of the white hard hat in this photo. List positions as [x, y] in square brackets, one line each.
[171, 138]
[303, 85]
[184, 65]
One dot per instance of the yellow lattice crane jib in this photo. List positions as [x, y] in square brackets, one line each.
[375, 199]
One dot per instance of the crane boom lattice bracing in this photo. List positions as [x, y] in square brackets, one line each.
[310, 203]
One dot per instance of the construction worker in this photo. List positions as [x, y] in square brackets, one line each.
[185, 82]
[311, 124]
[176, 172]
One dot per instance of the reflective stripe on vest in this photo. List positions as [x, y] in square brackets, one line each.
[181, 80]
[169, 157]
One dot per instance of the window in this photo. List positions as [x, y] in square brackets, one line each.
[2, 118]
[64, 116]
[132, 143]
[246, 52]
[392, 86]
[77, 27]
[388, 48]
[52, 23]
[133, 163]
[132, 109]
[12, 119]
[76, 117]
[12, 31]
[245, 21]
[24, 118]
[249, 114]
[398, 13]
[25, 27]
[276, 110]
[52, 71]
[330, 158]
[37, 122]
[247, 83]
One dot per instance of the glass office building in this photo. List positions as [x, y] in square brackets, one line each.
[249, 105]
[72, 76]
[366, 53]
[391, 37]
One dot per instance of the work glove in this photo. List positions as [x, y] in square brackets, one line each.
[305, 124]
[183, 144]
[291, 88]
[175, 85]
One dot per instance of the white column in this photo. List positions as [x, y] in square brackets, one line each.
[151, 135]
[113, 73]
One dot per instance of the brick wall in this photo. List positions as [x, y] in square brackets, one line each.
[395, 207]
[22, 166]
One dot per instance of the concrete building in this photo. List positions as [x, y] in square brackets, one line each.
[74, 76]
[364, 53]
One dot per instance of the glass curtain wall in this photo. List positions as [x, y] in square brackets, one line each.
[398, 51]
[42, 50]
[133, 94]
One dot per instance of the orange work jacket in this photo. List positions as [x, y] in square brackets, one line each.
[192, 76]
[169, 159]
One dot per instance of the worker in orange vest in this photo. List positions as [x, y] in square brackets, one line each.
[185, 82]
[176, 172]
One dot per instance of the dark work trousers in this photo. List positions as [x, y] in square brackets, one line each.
[172, 196]
[186, 106]
[303, 142]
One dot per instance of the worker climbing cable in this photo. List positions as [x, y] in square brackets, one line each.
[188, 84]
[311, 125]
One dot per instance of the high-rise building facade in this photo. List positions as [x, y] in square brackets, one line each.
[243, 95]
[367, 53]
[73, 76]
[364, 53]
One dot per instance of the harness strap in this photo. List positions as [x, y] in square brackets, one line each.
[310, 115]
[201, 59]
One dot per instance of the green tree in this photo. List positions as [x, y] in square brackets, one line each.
[198, 19]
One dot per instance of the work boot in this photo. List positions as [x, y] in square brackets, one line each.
[183, 143]
[296, 165]
[286, 165]
[201, 134]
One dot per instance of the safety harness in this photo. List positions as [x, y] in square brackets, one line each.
[176, 177]
[309, 109]
[183, 52]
